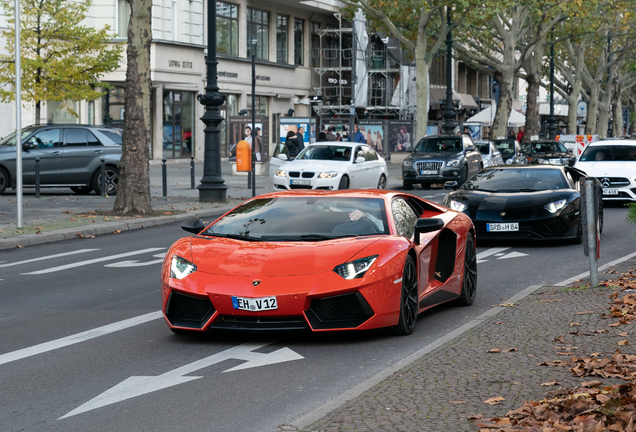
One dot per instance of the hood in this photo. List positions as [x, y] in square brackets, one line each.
[552, 155]
[435, 156]
[222, 256]
[314, 165]
[607, 169]
[488, 206]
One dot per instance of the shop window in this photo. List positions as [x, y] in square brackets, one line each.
[113, 107]
[258, 33]
[178, 124]
[62, 112]
[226, 28]
[262, 103]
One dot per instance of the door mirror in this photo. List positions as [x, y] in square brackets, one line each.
[471, 148]
[426, 225]
[451, 185]
[360, 159]
[194, 226]
[282, 156]
[28, 145]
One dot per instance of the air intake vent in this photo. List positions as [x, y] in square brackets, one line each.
[446, 252]
[188, 312]
[344, 311]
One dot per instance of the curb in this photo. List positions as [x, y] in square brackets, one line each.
[106, 228]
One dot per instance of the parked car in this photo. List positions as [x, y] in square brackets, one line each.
[538, 202]
[280, 155]
[69, 156]
[614, 164]
[319, 261]
[441, 158]
[511, 151]
[332, 166]
[548, 153]
[490, 155]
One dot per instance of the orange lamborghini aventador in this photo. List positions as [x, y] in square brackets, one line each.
[319, 261]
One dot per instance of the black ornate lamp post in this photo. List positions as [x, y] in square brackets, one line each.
[212, 187]
[551, 118]
[449, 109]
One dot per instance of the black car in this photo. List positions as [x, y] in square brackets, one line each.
[548, 153]
[524, 202]
[511, 152]
[441, 158]
[69, 156]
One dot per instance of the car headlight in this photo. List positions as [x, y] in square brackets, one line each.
[543, 161]
[554, 207]
[457, 206]
[181, 267]
[355, 269]
[281, 173]
[510, 161]
[328, 174]
[453, 163]
[407, 162]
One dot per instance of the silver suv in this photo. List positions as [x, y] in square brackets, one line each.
[69, 157]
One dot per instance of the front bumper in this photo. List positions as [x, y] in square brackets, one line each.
[315, 182]
[550, 228]
[444, 174]
[618, 188]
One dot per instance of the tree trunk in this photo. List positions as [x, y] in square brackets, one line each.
[573, 107]
[592, 110]
[133, 194]
[617, 106]
[38, 108]
[500, 122]
[533, 125]
[421, 84]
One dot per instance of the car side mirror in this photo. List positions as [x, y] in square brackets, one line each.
[360, 159]
[471, 148]
[27, 146]
[426, 225]
[282, 156]
[451, 185]
[194, 226]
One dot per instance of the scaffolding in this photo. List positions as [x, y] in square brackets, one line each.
[379, 71]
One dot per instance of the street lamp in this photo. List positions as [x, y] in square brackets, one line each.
[449, 110]
[212, 187]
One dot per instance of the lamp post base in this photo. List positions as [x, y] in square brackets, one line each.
[210, 192]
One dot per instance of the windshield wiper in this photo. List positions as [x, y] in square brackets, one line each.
[231, 236]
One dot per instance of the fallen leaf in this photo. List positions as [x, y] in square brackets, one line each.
[79, 235]
[585, 313]
[623, 342]
[591, 384]
[507, 350]
[494, 350]
[550, 300]
[551, 383]
[117, 232]
[457, 402]
[498, 322]
[624, 334]
[20, 247]
[504, 305]
[615, 324]
[72, 219]
[574, 324]
[494, 401]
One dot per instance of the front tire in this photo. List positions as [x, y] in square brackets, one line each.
[112, 181]
[82, 190]
[408, 299]
[406, 185]
[4, 180]
[579, 232]
[382, 182]
[469, 281]
[344, 183]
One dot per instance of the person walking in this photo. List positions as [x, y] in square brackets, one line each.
[291, 141]
[520, 134]
[301, 138]
[330, 136]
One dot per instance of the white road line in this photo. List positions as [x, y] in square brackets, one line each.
[93, 261]
[47, 257]
[79, 337]
[489, 252]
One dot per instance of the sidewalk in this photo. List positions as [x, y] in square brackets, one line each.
[440, 387]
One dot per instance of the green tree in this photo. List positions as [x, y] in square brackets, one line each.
[61, 59]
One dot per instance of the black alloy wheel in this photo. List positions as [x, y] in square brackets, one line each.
[469, 282]
[344, 183]
[382, 182]
[4, 180]
[408, 299]
[112, 180]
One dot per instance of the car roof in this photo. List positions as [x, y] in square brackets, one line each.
[530, 167]
[337, 143]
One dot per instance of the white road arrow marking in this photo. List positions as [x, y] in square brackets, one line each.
[513, 255]
[489, 252]
[136, 263]
[81, 251]
[93, 261]
[140, 385]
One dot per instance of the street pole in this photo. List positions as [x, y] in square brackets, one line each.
[449, 110]
[354, 59]
[212, 187]
[591, 213]
[18, 113]
[551, 118]
[253, 119]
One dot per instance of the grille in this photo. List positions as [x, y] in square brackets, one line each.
[446, 251]
[344, 311]
[300, 186]
[294, 174]
[259, 324]
[307, 174]
[429, 165]
[615, 181]
[189, 312]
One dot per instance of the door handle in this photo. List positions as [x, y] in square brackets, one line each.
[55, 153]
[97, 152]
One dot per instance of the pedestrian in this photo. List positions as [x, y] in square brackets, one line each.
[520, 134]
[301, 138]
[329, 135]
[322, 136]
[291, 141]
[511, 134]
[357, 135]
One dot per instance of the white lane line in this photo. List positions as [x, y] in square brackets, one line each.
[489, 252]
[47, 257]
[601, 268]
[136, 263]
[77, 338]
[93, 261]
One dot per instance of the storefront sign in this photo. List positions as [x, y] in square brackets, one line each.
[227, 74]
[262, 78]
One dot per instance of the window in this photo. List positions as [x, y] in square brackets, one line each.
[281, 38]
[175, 18]
[299, 41]
[404, 217]
[258, 33]
[315, 44]
[76, 137]
[261, 105]
[226, 28]
[123, 16]
[46, 138]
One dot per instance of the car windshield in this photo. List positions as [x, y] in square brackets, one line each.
[547, 147]
[484, 147]
[302, 219]
[615, 153]
[9, 140]
[325, 152]
[429, 145]
[517, 180]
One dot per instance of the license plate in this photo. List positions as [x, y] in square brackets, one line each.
[493, 227]
[610, 191]
[428, 172]
[300, 182]
[255, 304]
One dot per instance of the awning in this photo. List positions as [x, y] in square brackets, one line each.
[468, 101]
[439, 94]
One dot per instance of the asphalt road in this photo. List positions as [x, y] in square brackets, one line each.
[59, 374]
